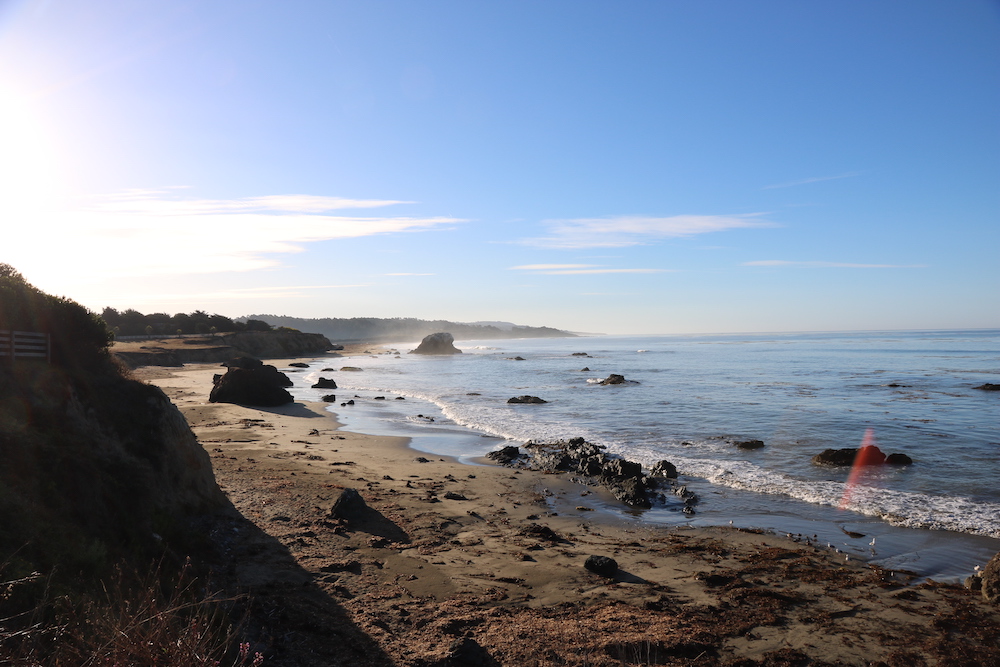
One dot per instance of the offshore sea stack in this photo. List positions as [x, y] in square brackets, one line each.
[437, 343]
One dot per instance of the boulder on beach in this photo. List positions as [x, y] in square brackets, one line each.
[437, 343]
[349, 505]
[602, 565]
[990, 584]
[525, 399]
[325, 383]
[261, 386]
[298, 364]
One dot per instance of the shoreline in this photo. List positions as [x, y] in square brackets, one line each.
[450, 557]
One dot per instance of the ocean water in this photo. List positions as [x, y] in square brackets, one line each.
[690, 397]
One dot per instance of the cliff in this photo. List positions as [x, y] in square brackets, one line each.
[220, 348]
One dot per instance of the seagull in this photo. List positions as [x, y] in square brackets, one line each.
[872, 543]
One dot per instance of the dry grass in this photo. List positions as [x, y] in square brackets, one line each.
[133, 619]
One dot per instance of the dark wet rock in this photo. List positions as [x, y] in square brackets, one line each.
[991, 580]
[988, 387]
[326, 370]
[540, 532]
[614, 378]
[974, 582]
[865, 456]
[421, 459]
[451, 495]
[664, 469]
[749, 444]
[261, 386]
[591, 466]
[630, 490]
[466, 652]
[579, 354]
[602, 565]
[379, 398]
[437, 343]
[870, 455]
[330, 398]
[525, 399]
[516, 358]
[400, 398]
[350, 402]
[325, 383]
[622, 468]
[506, 455]
[298, 364]
[351, 369]
[585, 369]
[349, 505]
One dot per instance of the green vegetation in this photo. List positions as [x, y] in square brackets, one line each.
[93, 480]
[131, 322]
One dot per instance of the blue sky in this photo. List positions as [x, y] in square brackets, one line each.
[627, 167]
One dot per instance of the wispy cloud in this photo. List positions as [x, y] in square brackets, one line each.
[815, 179]
[152, 232]
[623, 231]
[830, 265]
[576, 269]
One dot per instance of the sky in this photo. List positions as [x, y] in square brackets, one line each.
[618, 167]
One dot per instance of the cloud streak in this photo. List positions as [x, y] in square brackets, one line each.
[576, 269]
[829, 265]
[817, 179]
[150, 233]
[624, 231]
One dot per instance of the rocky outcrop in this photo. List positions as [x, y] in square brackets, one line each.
[988, 387]
[864, 456]
[749, 444]
[261, 385]
[614, 378]
[525, 399]
[437, 343]
[325, 383]
[990, 584]
[592, 465]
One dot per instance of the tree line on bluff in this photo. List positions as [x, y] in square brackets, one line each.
[131, 322]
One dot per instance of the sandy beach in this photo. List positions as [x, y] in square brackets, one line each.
[456, 564]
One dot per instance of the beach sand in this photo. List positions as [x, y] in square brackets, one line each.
[457, 564]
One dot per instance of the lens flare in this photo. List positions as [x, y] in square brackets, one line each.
[868, 458]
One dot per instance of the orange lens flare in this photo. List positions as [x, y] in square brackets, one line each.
[869, 457]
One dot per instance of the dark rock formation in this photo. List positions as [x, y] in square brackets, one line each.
[630, 490]
[325, 383]
[330, 398]
[261, 386]
[525, 399]
[349, 505]
[988, 387]
[991, 580]
[437, 343]
[506, 455]
[865, 456]
[579, 354]
[664, 469]
[602, 565]
[298, 364]
[749, 444]
[585, 369]
[614, 378]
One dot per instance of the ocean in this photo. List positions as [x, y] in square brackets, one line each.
[689, 398]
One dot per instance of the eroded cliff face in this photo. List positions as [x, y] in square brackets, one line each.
[95, 468]
[217, 349]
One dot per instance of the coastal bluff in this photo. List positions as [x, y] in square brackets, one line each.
[171, 351]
